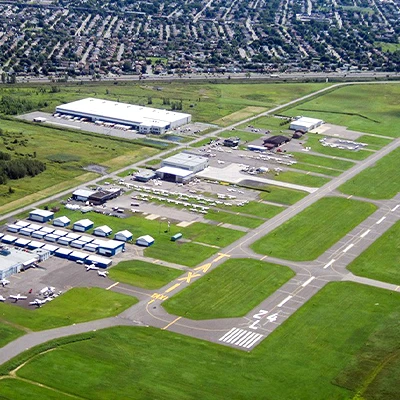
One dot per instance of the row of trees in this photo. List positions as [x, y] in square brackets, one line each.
[12, 105]
[18, 168]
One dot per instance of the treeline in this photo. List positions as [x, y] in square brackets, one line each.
[18, 168]
[15, 105]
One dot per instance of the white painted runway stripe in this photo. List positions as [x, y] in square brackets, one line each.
[284, 301]
[365, 233]
[308, 281]
[241, 337]
[378, 222]
[348, 248]
[329, 263]
[395, 208]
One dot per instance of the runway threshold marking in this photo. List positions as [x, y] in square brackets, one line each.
[284, 301]
[378, 222]
[348, 248]
[241, 337]
[111, 286]
[308, 281]
[189, 277]
[365, 233]
[395, 208]
[329, 263]
[171, 323]
[204, 268]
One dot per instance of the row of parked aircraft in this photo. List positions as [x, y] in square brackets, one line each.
[100, 273]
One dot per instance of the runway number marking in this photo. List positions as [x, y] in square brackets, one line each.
[260, 315]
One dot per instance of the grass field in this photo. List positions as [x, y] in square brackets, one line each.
[65, 154]
[233, 218]
[76, 305]
[381, 260]
[328, 162]
[314, 230]
[316, 354]
[378, 181]
[242, 135]
[206, 101]
[316, 169]
[301, 179]
[143, 274]
[238, 116]
[374, 142]
[230, 290]
[348, 106]
[280, 195]
[255, 208]
[8, 333]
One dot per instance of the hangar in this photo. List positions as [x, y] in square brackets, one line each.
[61, 221]
[123, 236]
[13, 261]
[41, 215]
[142, 119]
[83, 225]
[181, 167]
[111, 248]
[305, 124]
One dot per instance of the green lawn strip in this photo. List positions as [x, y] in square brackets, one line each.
[233, 218]
[179, 252]
[244, 136]
[143, 274]
[255, 208]
[313, 141]
[312, 347]
[8, 333]
[316, 169]
[314, 230]
[203, 142]
[374, 142]
[347, 106]
[377, 182]
[75, 306]
[320, 161]
[17, 389]
[301, 179]
[267, 123]
[381, 261]
[281, 195]
[231, 290]
[127, 172]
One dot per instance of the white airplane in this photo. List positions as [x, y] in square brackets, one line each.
[2, 298]
[102, 273]
[17, 297]
[37, 302]
[4, 282]
[91, 266]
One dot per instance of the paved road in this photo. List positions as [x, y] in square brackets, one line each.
[245, 333]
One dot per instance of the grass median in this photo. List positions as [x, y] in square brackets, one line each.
[230, 290]
[314, 230]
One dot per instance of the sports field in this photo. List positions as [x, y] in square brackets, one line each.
[230, 290]
[377, 182]
[76, 305]
[381, 260]
[143, 274]
[316, 354]
[314, 230]
[364, 108]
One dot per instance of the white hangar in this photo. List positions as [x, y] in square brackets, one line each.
[305, 124]
[142, 119]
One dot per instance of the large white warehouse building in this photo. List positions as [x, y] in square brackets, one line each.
[142, 119]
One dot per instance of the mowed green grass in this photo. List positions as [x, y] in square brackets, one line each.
[381, 260]
[76, 305]
[363, 108]
[380, 181]
[328, 162]
[280, 195]
[374, 142]
[8, 333]
[307, 358]
[244, 136]
[143, 274]
[230, 290]
[314, 230]
[233, 218]
[302, 179]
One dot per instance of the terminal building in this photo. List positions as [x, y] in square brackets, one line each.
[181, 167]
[143, 119]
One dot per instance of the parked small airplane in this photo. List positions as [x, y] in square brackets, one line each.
[4, 282]
[91, 266]
[2, 298]
[102, 273]
[37, 302]
[17, 297]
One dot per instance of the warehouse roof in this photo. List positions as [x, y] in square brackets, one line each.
[185, 160]
[42, 213]
[175, 171]
[121, 111]
[84, 222]
[111, 244]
